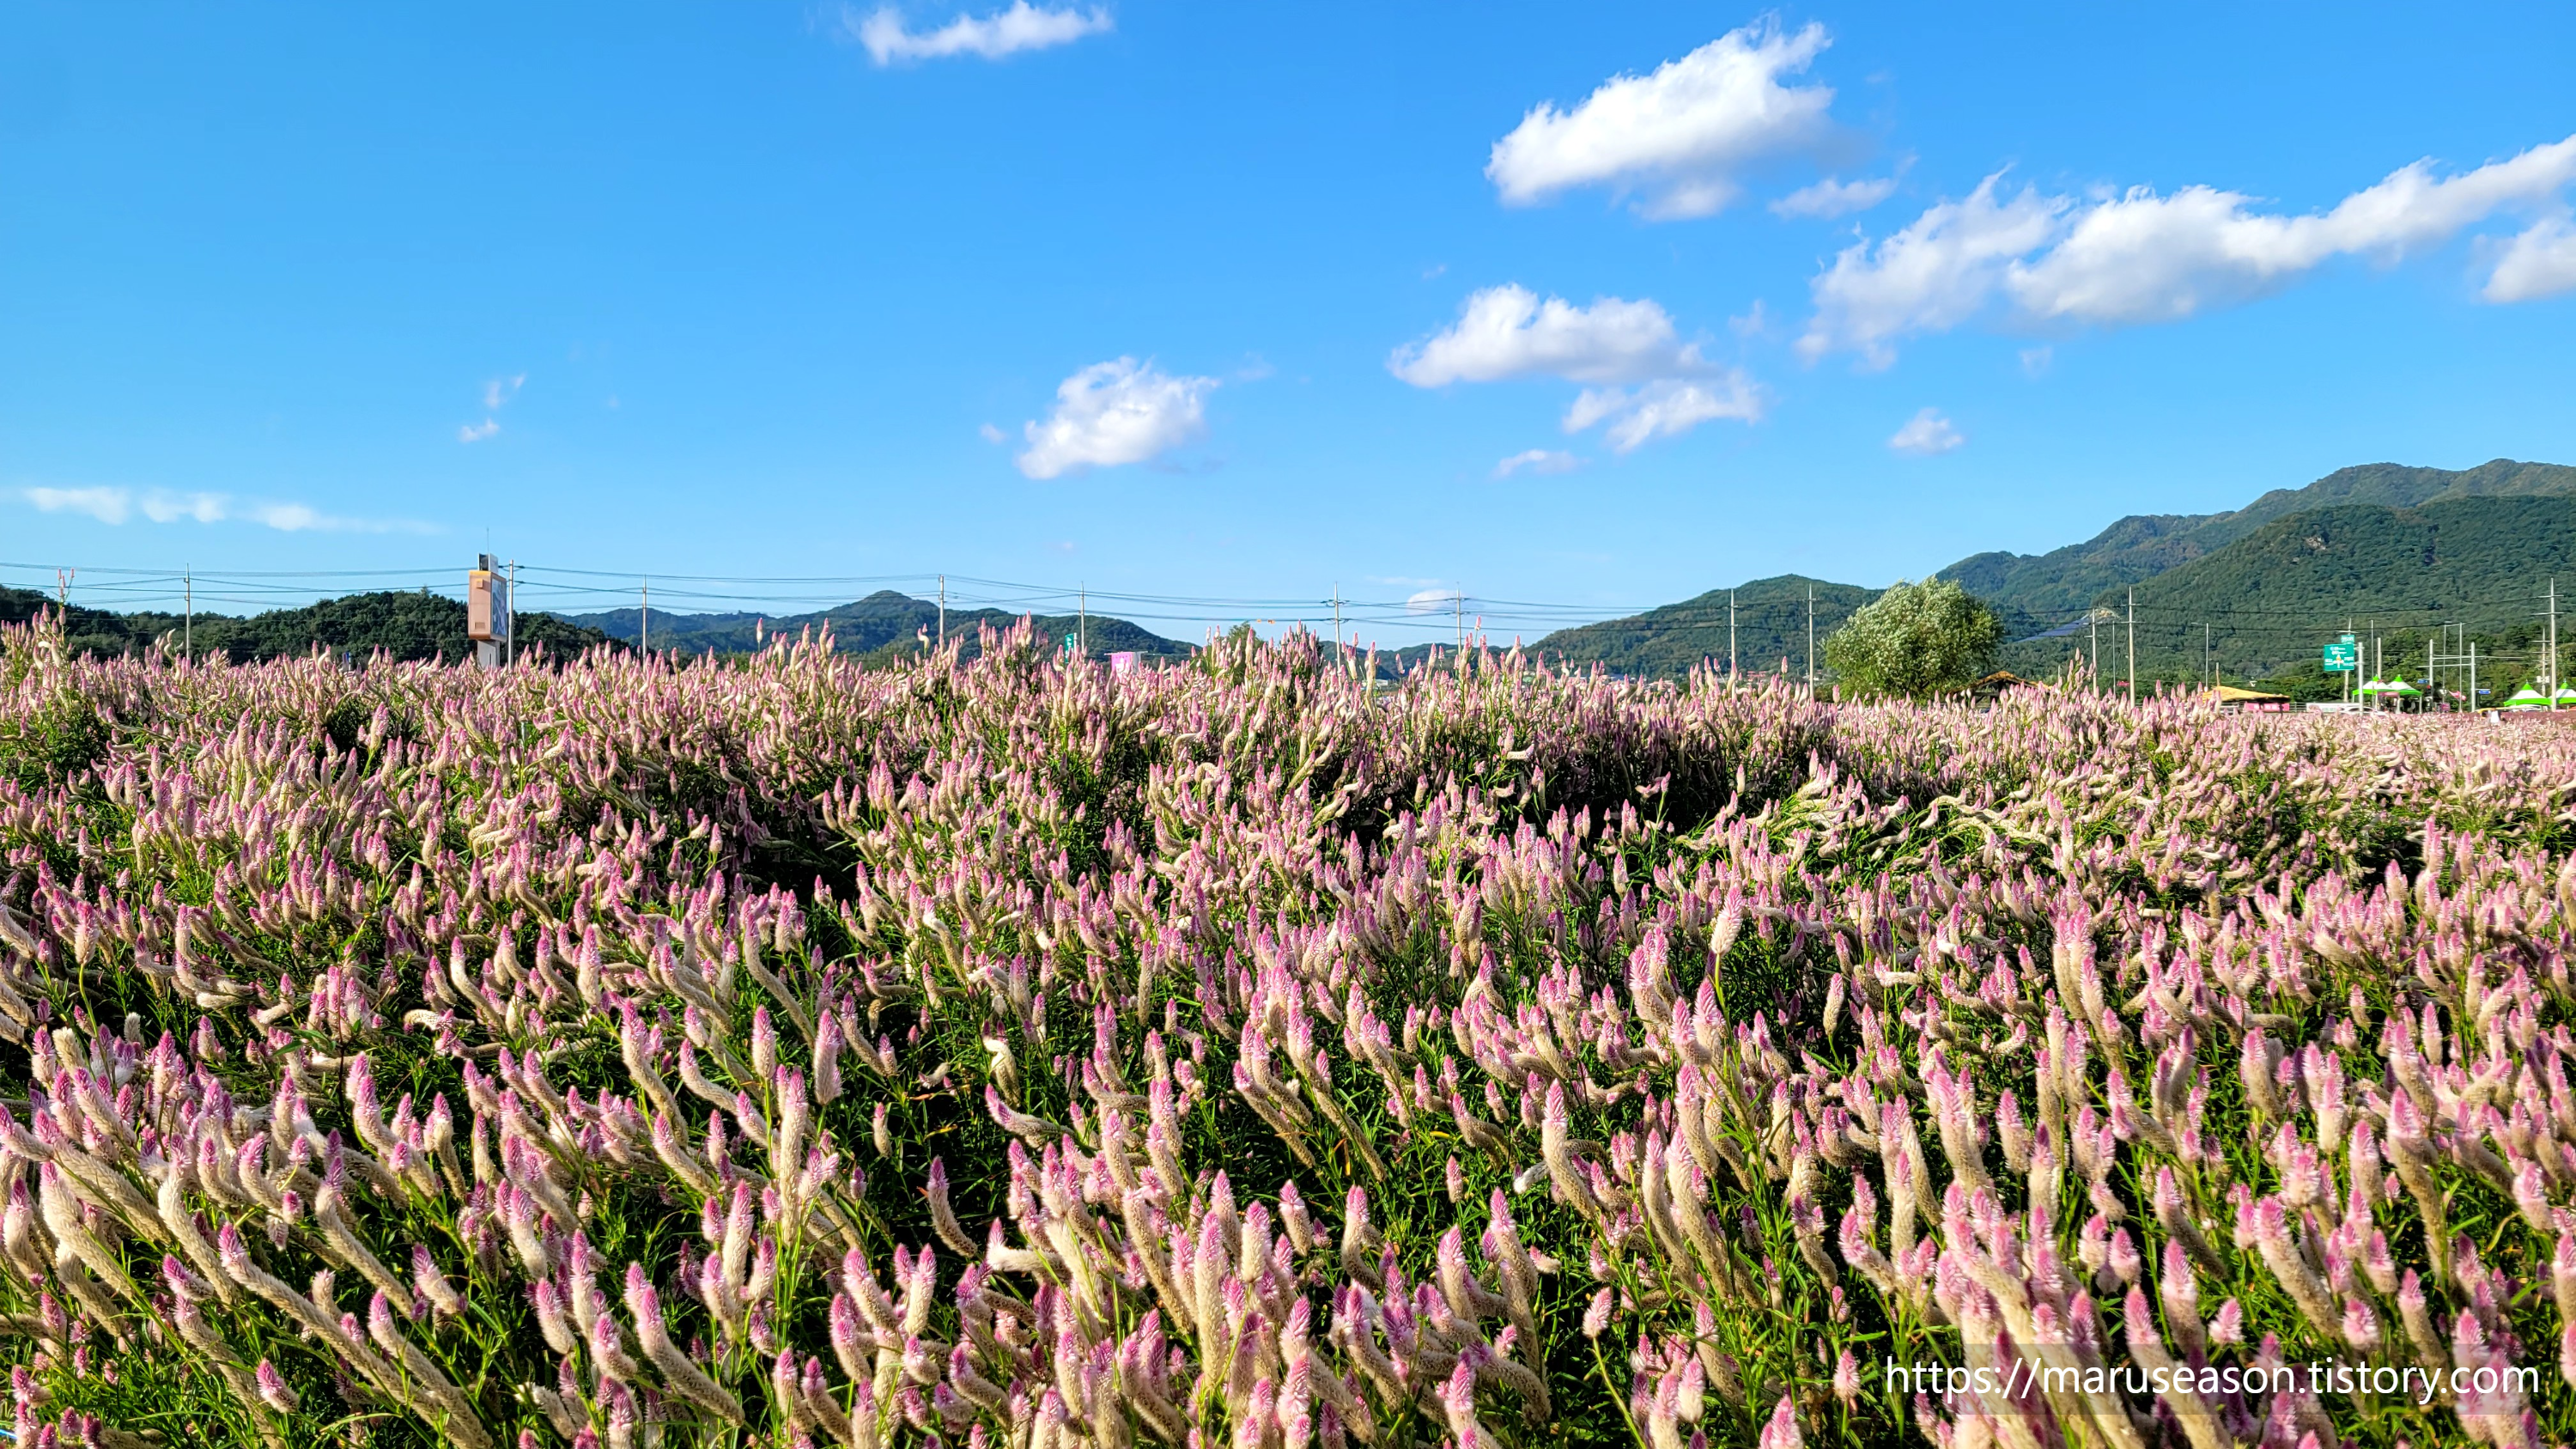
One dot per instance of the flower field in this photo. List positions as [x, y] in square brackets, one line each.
[1009, 1053]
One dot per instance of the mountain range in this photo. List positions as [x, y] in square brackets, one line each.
[2407, 557]
[2042, 587]
[883, 623]
[2395, 552]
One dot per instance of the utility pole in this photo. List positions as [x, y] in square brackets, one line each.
[943, 611]
[1730, 639]
[510, 620]
[188, 619]
[1458, 600]
[2095, 616]
[1337, 621]
[2206, 677]
[2133, 646]
[1081, 621]
[2553, 641]
[2473, 676]
[644, 630]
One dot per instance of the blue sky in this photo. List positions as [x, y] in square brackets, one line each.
[1254, 301]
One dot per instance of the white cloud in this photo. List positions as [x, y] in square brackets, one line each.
[1505, 332]
[1643, 378]
[2539, 263]
[1004, 32]
[1115, 412]
[1664, 409]
[1537, 460]
[1831, 198]
[992, 434]
[2149, 258]
[1433, 601]
[2143, 257]
[2036, 361]
[1927, 433]
[1682, 135]
[1935, 274]
[107, 505]
[477, 432]
[116, 505]
[500, 390]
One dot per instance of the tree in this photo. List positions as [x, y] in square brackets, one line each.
[1916, 640]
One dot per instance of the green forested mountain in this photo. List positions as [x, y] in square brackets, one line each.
[2410, 547]
[2040, 590]
[2265, 604]
[883, 622]
[1770, 626]
[408, 626]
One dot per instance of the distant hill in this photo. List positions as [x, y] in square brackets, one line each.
[884, 622]
[2034, 591]
[406, 625]
[2272, 597]
[1770, 625]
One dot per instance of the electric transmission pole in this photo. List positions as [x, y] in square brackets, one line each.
[2133, 646]
[1730, 639]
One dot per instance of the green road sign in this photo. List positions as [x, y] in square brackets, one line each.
[2344, 657]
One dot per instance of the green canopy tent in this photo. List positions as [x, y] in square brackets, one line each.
[2527, 698]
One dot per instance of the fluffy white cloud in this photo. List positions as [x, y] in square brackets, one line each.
[1644, 380]
[2143, 257]
[1831, 198]
[1680, 136]
[1433, 601]
[116, 505]
[2539, 263]
[1936, 273]
[1537, 460]
[1004, 32]
[1505, 332]
[1110, 413]
[477, 432]
[1664, 409]
[1927, 433]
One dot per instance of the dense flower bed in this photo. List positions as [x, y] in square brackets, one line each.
[1011, 1053]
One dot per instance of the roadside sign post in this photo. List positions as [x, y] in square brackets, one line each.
[2343, 656]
